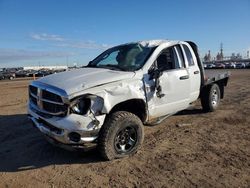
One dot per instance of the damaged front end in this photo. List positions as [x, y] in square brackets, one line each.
[74, 123]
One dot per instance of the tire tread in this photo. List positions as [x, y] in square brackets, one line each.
[107, 130]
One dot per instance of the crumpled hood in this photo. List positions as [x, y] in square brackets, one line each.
[84, 78]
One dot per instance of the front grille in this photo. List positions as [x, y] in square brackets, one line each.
[47, 102]
[54, 108]
[33, 99]
[33, 90]
[51, 96]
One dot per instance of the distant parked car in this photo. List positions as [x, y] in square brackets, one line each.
[22, 73]
[233, 66]
[42, 73]
[248, 65]
[219, 66]
[230, 65]
[240, 65]
[31, 72]
[227, 65]
[59, 70]
[210, 66]
[7, 75]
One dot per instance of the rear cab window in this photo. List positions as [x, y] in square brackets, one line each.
[189, 56]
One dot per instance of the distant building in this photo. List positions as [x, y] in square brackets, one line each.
[235, 57]
[221, 51]
[46, 67]
[220, 55]
[207, 57]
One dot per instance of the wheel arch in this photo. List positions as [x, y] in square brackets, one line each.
[222, 83]
[135, 106]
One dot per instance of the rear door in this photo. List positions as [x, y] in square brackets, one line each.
[193, 71]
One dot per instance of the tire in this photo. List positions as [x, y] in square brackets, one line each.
[121, 135]
[11, 77]
[210, 98]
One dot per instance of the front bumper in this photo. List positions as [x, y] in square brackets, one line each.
[59, 129]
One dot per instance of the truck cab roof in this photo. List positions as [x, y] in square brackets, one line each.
[154, 43]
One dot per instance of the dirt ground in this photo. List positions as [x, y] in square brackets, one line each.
[207, 150]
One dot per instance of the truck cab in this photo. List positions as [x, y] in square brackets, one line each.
[107, 102]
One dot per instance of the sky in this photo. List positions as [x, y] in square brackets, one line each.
[69, 32]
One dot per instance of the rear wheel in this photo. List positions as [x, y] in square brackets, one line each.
[210, 98]
[121, 135]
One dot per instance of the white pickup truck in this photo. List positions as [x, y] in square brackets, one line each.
[107, 102]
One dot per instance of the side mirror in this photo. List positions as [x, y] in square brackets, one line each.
[155, 73]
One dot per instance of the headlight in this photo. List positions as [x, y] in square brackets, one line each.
[86, 104]
[80, 106]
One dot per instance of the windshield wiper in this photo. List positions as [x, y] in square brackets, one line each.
[113, 67]
[89, 65]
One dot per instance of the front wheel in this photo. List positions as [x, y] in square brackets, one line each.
[121, 135]
[210, 98]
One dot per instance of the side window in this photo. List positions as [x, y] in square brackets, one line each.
[180, 56]
[168, 59]
[188, 55]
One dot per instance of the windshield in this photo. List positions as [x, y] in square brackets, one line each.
[129, 57]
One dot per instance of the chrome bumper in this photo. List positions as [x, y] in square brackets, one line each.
[59, 128]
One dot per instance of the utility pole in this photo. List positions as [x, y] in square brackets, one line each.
[221, 51]
[209, 55]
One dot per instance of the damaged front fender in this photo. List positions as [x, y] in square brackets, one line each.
[117, 92]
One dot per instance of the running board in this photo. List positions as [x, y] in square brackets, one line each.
[159, 119]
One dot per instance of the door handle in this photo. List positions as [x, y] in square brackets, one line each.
[196, 72]
[184, 77]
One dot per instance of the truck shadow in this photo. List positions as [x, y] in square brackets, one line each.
[23, 147]
[191, 111]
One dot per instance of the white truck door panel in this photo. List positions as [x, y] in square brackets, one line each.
[175, 87]
[193, 70]
[174, 82]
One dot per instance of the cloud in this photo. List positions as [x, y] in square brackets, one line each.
[13, 55]
[46, 37]
[84, 45]
[67, 43]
